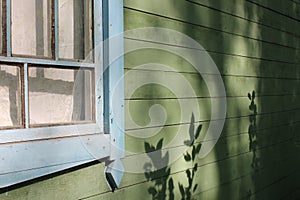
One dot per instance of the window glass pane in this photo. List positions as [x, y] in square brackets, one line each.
[60, 96]
[31, 27]
[75, 29]
[10, 96]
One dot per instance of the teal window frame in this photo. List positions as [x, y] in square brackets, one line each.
[29, 153]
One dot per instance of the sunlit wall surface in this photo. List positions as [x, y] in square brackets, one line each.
[255, 46]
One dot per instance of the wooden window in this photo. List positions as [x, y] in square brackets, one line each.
[55, 102]
[53, 41]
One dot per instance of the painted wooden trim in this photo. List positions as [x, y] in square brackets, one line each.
[46, 133]
[60, 63]
[105, 44]
[115, 92]
[56, 31]
[8, 27]
[26, 95]
[98, 58]
[34, 159]
[116, 73]
[114, 174]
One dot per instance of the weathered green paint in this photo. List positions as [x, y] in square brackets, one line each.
[214, 40]
[228, 64]
[249, 19]
[244, 84]
[255, 44]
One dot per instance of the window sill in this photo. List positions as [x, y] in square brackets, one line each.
[49, 154]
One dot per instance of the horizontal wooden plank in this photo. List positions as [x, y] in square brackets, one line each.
[226, 147]
[155, 84]
[138, 113]
[249, 185]
[240, 165]
[223, 42]
[135, 139]
[227, 64]
[67, 186]
[175, 136]
[264, 121]
[72, 185]
[279, 188]
[19, 177]
[254, 13]
[211, 176]
[208, 14]
[289, 9]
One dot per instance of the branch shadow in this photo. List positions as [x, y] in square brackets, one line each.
[158, 171]
[252, 131]
[191, 157]
[161, 177]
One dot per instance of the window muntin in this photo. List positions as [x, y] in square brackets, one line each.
[2, 23]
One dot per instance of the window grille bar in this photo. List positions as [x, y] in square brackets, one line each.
[26, 107]
[8, 28]
[56, 29]
[60, 63]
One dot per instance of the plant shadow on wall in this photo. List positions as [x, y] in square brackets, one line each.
[161, 177]
[163, 184]
[252, 131]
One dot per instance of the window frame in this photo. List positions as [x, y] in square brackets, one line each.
[100, 133]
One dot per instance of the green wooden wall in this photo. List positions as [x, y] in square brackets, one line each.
[256, 47]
